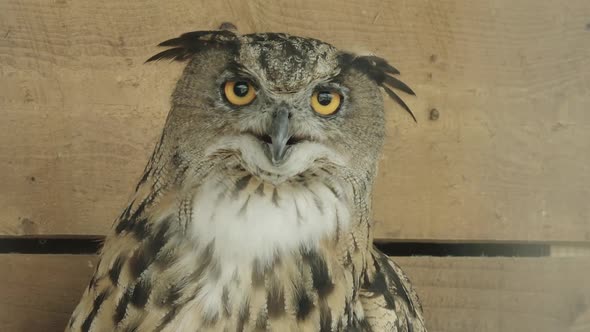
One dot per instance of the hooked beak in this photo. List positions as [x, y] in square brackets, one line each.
[279, 136]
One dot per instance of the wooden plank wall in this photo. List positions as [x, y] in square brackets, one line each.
[506, 159]
[458, 294]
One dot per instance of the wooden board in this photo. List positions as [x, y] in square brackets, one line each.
[502, 294]
[459, 294]
[39, 292]
[507, 159]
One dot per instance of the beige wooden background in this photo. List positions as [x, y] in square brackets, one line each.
[507, 160]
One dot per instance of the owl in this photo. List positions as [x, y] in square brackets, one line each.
[254, 210]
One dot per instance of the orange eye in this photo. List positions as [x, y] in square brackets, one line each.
[326, 102]
[239, 93]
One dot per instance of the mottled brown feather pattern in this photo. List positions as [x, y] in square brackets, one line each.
[156, 273]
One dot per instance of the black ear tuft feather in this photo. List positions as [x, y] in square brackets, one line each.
[398, 100]
[397, 84]
[191, 43]
[381, 64]
[378, 70]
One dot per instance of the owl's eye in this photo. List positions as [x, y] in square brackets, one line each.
[326, 102]
[239, 93]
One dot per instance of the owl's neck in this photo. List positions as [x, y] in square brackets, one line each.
[249, 220]
[263, 236]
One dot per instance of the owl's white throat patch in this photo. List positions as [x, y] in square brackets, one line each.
[249, 219]
[249, 222]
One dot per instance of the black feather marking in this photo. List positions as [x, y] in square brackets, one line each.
[400, 102]
[241, 184]
[260, 190]
[170, 296]
[319, 272]
[191, 43]
[143, 179]
[124, 217]
[140, 229]
[382, 64]
[225, 302]
[177, 54]
[141, 293]
[325, 317]
[257, 274]
[397, 84]
[122, 225]
[115, 270]
[379, 287]
[121, 308]
[93, 281]
[275, 299]
[128, 221]
[379, 71]
[139, 262]
[205, 261]
[188, 37]
[159, 240]
[304, 305]
[261, 321]
[302, 302]
[243, 316]
[146, 254]
[141, 208]
[390, 273]
[275, 197]
[95, 307]
[170, 315]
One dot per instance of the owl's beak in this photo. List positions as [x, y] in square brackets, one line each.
[279, 135]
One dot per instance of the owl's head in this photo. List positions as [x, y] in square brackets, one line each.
[281, 105]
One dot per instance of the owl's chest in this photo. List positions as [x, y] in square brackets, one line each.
[256, 233]
[247, 219]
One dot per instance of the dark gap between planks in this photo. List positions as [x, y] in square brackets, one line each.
[85, 246]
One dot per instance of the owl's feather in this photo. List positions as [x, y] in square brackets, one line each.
[389, 301]
[218, 237]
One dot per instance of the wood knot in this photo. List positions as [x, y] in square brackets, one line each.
[434, 114]
[28, 226]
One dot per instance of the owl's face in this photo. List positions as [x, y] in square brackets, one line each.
[281, 105]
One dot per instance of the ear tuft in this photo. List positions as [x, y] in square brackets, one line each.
[191, 43]
[381, 72]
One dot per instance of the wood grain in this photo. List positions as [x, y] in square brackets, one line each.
[507, 159]
[39, 292]
[502, 294]
[459, 294]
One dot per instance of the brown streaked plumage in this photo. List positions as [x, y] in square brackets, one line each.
[256, 216]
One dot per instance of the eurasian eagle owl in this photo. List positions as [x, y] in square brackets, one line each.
[254, 211]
